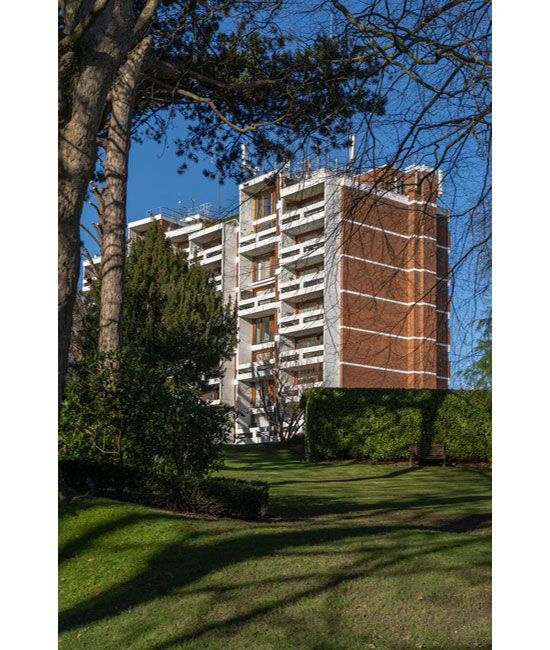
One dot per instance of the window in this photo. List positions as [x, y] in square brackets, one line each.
[296, 205]
[265, 226]
[264, 291]
[263, 267]
[212, 394]
[308, 270]
[310, 305]
[398, 185]
[309, 341]
[262, 355]
[264, 204]
[307, 236]
[259, 420]
[262, 330]
[211, 244]
[257, 398]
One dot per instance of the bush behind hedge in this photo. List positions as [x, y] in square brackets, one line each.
[378, 424]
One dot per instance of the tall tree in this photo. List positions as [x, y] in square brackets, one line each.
[115, 165]
[94, 38]
[234, 73]
[171, 311]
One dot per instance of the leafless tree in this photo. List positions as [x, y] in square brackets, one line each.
[280, 397]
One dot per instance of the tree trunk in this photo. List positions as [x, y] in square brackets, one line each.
[113, 249]
[86, 74]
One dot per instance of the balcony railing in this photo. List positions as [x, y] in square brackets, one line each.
[310, 251]
[302, 356]
[259, 241]
[302, 286]
[302, 322]
[255, 370]
[210, 255]
[308, 215]
[253, 305]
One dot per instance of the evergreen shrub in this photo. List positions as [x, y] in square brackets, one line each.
[219, 497]
[141, 416]
[378, 424]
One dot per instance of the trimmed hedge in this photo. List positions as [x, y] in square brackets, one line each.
[220, 497]
[378, 424]
[225, 497]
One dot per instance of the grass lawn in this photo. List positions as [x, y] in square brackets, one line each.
[356, 556]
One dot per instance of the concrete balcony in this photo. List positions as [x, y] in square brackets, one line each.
[303, 220]
[259, 242]
[210, 256]
[247, 435]
[218, 280]
[310, 285]
[309, 252]
[255, 307]
[294, 393]
[308, 321]
[302, 357]
[254, 370]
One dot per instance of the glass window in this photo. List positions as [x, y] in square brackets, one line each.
[264, 291]
[261, 390]
[310, 305]
[264, 204]
[300, 273]
[264, 268]
[309, 341]
[265, 226]
[263, 329]
[314, 234]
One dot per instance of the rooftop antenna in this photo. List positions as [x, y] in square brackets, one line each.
[317, 151]
[192, 206]
[351, 151]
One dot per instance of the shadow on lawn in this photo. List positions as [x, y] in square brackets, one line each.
[181, 564]
[398, 472]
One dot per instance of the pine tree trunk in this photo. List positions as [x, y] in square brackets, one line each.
[113, 250]
[85, 77]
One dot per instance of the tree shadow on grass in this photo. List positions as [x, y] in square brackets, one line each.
[398, 472]
[183, 563]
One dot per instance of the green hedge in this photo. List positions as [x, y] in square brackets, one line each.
[378, 424]
[220, 497]
[225, 497]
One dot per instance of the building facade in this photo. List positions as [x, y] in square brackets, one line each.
[341, 280]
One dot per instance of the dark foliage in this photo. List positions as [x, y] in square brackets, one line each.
[171, 311]
[218, 497]
[378, 424]
[140, 414]
[225, 497]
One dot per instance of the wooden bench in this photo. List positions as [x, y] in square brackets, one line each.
[427, 451]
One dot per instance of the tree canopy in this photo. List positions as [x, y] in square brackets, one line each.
[171, 310]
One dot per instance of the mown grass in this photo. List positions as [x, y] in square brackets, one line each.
[355, 556]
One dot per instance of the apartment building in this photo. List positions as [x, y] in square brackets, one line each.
[341, 279]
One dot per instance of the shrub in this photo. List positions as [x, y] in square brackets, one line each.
[219, 497]
[379, 424]
[225, 497]
[142, 416]
[463, 425]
